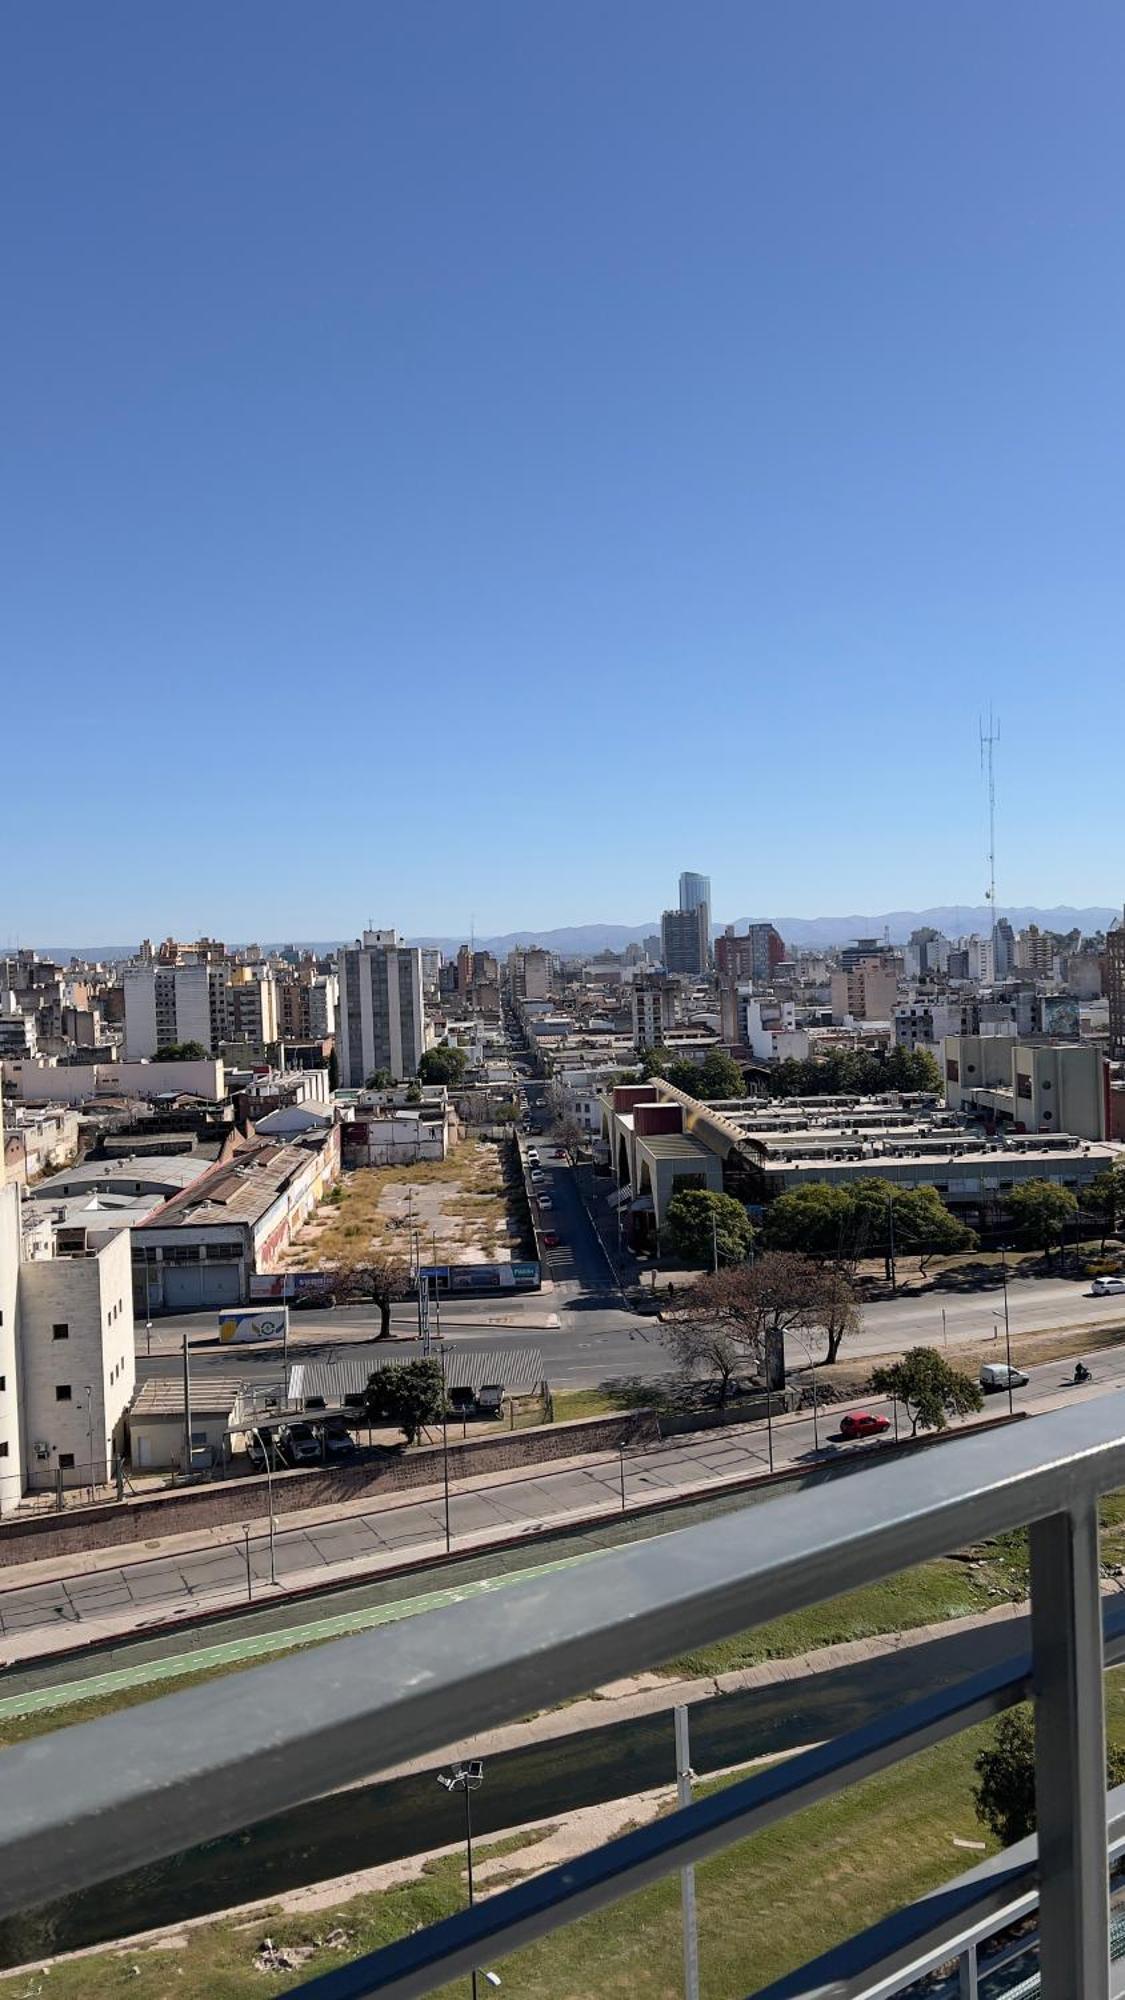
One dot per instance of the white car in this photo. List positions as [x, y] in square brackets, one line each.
[1101, 1287]
[545, 1201]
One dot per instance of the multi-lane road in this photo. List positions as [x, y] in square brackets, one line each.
[587, 1334]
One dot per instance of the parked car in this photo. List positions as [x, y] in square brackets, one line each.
[313, 1302]
[997, 1375]
[863, 1424]
[550, 1239]
[560, 1152]
[533, 1156]
[338, 1440]
[545, 1201]
[538, 1179]
[299, 1445]
[257, 1444]
[1102, 1287]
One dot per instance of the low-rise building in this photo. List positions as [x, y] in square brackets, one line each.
[76, 1083]
[1027, 1086]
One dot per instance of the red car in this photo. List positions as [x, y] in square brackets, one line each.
[861, 1424]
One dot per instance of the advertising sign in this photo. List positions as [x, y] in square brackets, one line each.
[260, 1325]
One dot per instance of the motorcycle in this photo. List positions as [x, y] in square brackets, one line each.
[1081, 1372]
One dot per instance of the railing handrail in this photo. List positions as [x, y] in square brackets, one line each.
[89, 1803]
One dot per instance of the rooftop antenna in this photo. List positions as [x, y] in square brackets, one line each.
[988, 741]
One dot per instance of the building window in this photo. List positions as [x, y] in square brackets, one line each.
[61, 1330]
[66, 1461]
[62, 1392]
[3, 1447]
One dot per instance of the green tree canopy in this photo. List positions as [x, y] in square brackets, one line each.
[719, 1076]
[1005, 1789]
[924, 1226]
[1040, 1212]
[444, 1064]
[930, 1390]
[699, 1221]
[409, 1396]
[857, 1070]
[380, 1079]
[1105, 1197]
[844, 1222]
[182, 1052]
[652, 1062]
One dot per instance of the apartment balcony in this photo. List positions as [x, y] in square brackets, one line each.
[89, 1803]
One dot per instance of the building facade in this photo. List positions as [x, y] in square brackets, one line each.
[382, 1021]
[685, 940]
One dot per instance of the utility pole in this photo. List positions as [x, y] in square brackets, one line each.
[714, 1244]
[187, 1406]
[891, 1242]
[684, 1776]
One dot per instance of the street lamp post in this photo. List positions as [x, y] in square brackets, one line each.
[621, 1467]
[249, 1579]
[466, 1778]
[266, 1444]
[1007, 1324]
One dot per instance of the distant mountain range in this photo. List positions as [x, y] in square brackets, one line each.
[581, 940]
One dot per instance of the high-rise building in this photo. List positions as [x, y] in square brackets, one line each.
[656, 1008]
[382, 1022]
[685, 938]
[694, 890]
[165, 1004]
[755, 956]
[695, 895]
[1114, 977]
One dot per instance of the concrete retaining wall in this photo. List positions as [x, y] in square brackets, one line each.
[188, 1509]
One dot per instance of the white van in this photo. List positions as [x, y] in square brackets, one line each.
[997, 1375]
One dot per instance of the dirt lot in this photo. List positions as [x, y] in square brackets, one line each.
[458, 1207]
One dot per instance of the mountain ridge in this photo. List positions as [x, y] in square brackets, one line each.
[955, 919]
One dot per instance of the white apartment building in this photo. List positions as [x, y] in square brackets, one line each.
[382, 1020]
[251, 1006]
[166, 1004]
[322, 1001]
[66, 1353]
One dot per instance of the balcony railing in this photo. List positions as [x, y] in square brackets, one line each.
[83, 1806]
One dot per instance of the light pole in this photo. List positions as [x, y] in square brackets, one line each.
[249, 1579]
[266, 1444]
[466, 1778]
[1007, 1322]
[621, 1467]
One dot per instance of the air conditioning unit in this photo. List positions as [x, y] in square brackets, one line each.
[42, 1449]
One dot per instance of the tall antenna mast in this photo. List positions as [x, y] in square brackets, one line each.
[988, 742]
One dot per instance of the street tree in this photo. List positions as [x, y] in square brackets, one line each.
[570, 1134]
[712, 1348]
[1105, 1198]
[181, 1052]
[1040, 1212]
[705, 1227]
[380, 1275]
[929, 1388]
[1004, 1793]
[410, 1397]
[816, 1220]
[652, 1062]
[779, 1295]
[443, 1064]
[924, 1226]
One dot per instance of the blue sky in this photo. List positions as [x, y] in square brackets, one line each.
[483, 458]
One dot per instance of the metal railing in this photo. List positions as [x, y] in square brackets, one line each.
[85, 1805]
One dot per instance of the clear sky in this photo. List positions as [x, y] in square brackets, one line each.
[484, 457]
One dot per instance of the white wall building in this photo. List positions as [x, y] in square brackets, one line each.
[173, 1003]
[66, 1354]
[382, 1020]
[74, 1083]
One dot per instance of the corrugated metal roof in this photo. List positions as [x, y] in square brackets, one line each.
[469, 1366]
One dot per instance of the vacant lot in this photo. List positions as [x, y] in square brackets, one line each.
[457, 1210]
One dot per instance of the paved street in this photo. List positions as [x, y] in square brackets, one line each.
[334, 1545]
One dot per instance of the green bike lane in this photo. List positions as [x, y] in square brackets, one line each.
[265, 1631]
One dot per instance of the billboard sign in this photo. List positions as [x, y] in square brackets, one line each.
[268, 1324]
